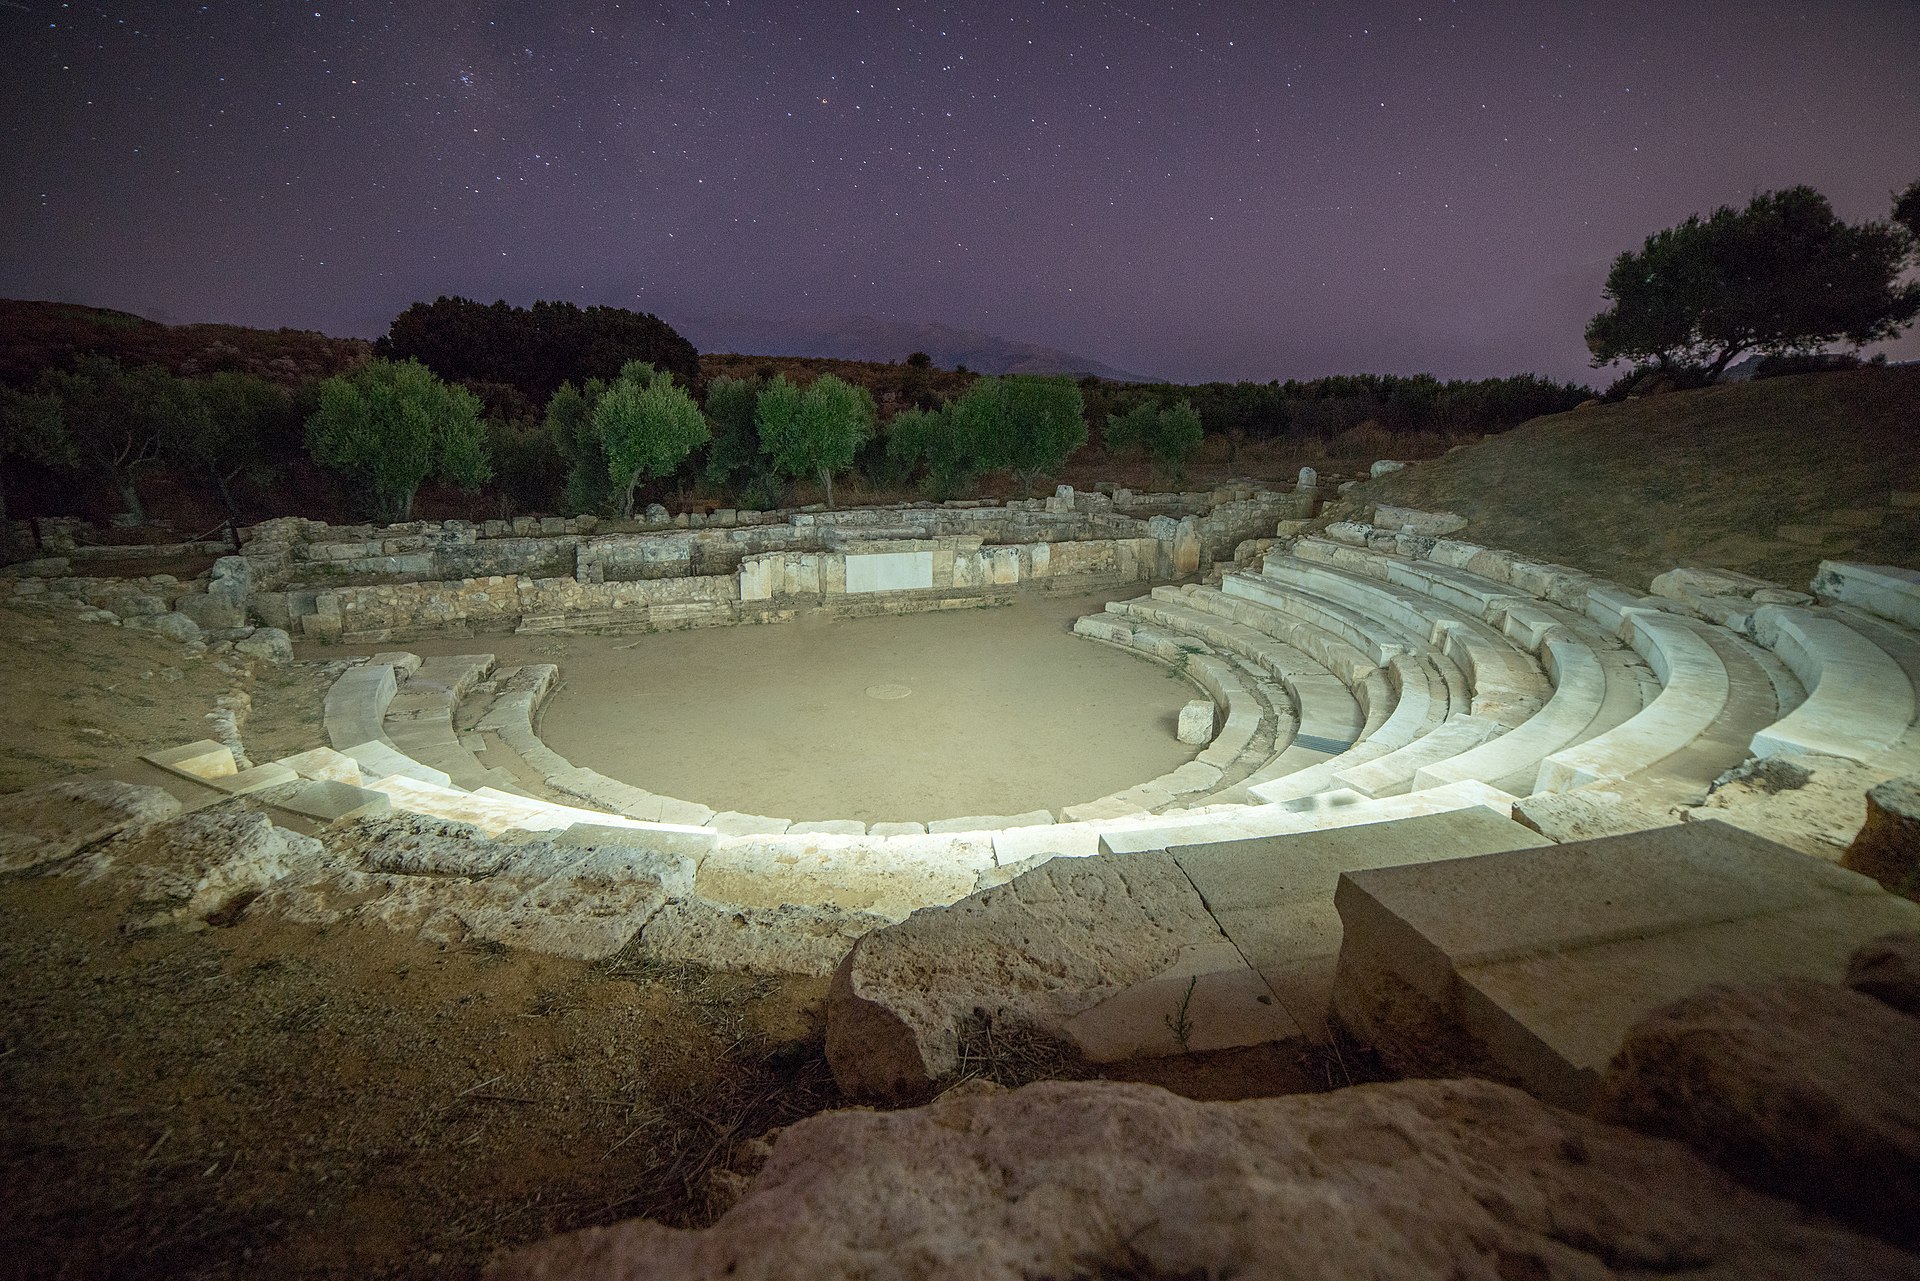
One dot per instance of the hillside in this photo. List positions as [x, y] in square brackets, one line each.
[35, 335]
[1768, 478]
[865, 338]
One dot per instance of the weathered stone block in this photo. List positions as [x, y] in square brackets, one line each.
[1196, 722]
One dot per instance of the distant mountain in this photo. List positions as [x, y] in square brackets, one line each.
[868, 338]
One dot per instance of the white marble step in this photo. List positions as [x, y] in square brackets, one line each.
[1860, 702]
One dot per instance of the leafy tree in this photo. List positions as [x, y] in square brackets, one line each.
[736, 437]
[1906, 212]
[938, 440]
[1167, 436]
[113, 419]
[1026, 424]
[391, 424]
[31, 429]
[1783, 274]
[921, 360]
[814, 432]
[648, 427]
[220, 428]
[534, 348]
[569, 425]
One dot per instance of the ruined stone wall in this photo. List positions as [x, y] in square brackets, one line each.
[397, 581]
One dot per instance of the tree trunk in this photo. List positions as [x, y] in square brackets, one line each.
[1719, 366]
[626, 499]
[226, 495]
[130, 495]
[826, 478]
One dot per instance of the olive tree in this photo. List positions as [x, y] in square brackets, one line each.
[31, 429]
[1026, 424]
[814, 432]
[1782, 274]
[648, 426]
[938, 440]
[389, 425]
[1168, 436]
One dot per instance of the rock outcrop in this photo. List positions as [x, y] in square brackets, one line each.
[209, 864]
[1805, 1089]
[47, 824]
[1417, 1179]
[1026, 956]
[1888, 846]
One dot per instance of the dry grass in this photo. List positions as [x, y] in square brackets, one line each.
[1768, 478]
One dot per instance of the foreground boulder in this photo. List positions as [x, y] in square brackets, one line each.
[1025, 957]
[208, 865]
[1417, 1179]
[1805, 1089]
[1888, 969]
[54, 822]
[1888, 846]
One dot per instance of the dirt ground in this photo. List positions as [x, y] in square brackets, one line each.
[274, 1100]
[82, 696]
[1005, 711]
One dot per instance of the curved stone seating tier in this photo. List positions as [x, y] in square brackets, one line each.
[1903, 646]
[1714, 696]
[1507, 683]
[1717, 690]
[1248, 719]
[419, 721]
[1325, 676]
[1596, 685]
[1860, 700]
[1325, 715]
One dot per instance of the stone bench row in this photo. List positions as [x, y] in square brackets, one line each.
[1595, 681]
[1716, 691]
[1439, 724]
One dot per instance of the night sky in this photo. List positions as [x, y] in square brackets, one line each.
[1197, 190]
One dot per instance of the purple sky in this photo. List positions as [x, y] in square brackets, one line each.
[1198, 190]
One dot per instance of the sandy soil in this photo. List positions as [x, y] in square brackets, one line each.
[81, 696]
[1006, 711]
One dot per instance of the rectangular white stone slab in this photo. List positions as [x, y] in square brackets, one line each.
[889, 572]
[1887, 590]
[1544, 958]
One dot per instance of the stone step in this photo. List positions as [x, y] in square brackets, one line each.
[1373, 638]
[1534, 965]
[356, 704]
[1714, 696]
[1860, 701]
[1506, 682]
[1578, 710]
[1135, 955]
[1315, 813]
[420, 720]
[1394, 773]
[1888, 592]
[1903, 646]
[1419, 709]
